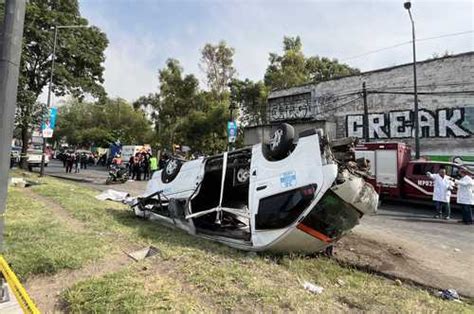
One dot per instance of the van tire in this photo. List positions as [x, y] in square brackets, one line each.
[171, 170]
[281, 142]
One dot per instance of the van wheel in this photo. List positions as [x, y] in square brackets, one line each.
[171, 170]
[281, 141]
[243, 175]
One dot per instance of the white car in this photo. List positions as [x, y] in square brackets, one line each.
[285, 196]
[34, 158]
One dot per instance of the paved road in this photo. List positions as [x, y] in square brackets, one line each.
[428, 246]
[406, 241]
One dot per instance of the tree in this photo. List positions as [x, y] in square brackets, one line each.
[204, 128]
[101, 123]
[251, 99]
[178, 97]
[293, 68]
[78, 60]
[150, 106]
[217, 63]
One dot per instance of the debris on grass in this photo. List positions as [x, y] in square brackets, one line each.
[143, 253]
[449, 294]
[21, 182]
[112, 195]
[313, 288]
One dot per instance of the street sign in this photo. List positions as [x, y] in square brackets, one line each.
[232, 131]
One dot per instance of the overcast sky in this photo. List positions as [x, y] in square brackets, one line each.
[144, 33]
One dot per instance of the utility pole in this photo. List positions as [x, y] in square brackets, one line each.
[366, 114]
[11, 40]
[50, 87]
[49, 96]
[407, 6]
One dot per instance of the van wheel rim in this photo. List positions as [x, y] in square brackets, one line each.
[171, 167]
[276, 139]
[243, 175]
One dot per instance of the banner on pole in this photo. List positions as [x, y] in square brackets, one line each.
[49, 122]
[232, 131]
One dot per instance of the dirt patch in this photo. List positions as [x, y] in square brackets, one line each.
[398, 261]
[59, 212]
[45, 290]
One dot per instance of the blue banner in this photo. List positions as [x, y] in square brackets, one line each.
[232, 131]
[50, 121]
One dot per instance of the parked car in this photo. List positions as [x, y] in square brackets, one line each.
[286, 195]
[15, 154]
[34, 158]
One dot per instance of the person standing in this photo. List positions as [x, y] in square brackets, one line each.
[137, 167]
[441, 193]
[69, 158]
[77, 160]
[83, 161]
[465, 196]
[153, 165]
[146, 166]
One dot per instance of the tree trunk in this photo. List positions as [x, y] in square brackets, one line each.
[24, 146]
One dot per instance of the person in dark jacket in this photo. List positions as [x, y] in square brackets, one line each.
[84, 160]
[137, 171]
[77, 160]
[69, 158]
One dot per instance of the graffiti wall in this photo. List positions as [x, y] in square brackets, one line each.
[441, 123]
[290, 107]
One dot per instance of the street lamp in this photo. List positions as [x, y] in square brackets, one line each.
[407, 5]
[48, 104]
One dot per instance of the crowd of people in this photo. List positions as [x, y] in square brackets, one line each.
[141, 166]
[75, 160]
[443, 185]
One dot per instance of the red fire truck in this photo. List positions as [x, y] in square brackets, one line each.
[396, 176]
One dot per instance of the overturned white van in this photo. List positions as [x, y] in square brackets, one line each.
[285, 196]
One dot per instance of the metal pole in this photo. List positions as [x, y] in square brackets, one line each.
[366, 114]
[417, 129]
[11, 41]
[48, 104]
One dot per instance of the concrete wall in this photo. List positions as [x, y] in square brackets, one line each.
[446, 120]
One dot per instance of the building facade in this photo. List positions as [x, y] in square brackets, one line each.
[446, 103]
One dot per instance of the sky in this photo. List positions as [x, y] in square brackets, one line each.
[143, 34]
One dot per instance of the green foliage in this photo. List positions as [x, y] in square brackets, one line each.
[178, 97]
[102, 122]
[204, 129]
[251, 98]
[293, 68]
[217, 63]
[78, 59]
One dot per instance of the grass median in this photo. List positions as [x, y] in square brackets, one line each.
[192, 274]
[37, 242]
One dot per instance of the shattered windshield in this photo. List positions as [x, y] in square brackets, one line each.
[332, 216]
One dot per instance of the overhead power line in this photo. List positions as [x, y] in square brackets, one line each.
[405, 43]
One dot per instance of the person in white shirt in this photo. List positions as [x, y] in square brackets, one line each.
[465, 196]
[441, 193]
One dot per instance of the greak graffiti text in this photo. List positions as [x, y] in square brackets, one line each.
[448, 122]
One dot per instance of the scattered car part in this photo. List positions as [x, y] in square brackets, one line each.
[143, 253]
